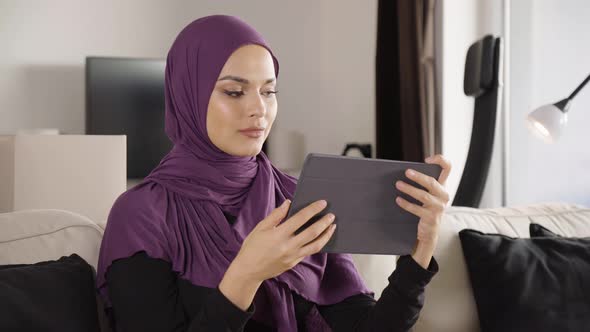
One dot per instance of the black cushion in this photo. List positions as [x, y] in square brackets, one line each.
[536, 284]
[536, 230]
[48, 296]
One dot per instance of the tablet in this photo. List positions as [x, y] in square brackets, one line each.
[361, 193]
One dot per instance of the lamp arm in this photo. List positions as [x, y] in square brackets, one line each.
[579, 88]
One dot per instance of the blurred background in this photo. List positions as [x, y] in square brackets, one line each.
[347, 69]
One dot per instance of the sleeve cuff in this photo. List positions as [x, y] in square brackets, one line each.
[409, 275]
[225, 310]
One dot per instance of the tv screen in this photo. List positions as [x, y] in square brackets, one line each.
[125, 96]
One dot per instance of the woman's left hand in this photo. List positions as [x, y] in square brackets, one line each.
[434, 201]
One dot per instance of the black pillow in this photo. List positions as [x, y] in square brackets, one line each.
[48, 296]
[536, 230]
[536, 284]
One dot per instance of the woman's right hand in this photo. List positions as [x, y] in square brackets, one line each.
[271, 249]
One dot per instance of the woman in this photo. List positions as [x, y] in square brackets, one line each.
[202, 245]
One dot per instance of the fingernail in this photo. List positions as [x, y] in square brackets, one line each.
[331, 216]
[323, 203]
[428, 159]
[411, 173]
[287, 202]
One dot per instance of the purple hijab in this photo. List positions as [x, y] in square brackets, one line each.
[175, 213]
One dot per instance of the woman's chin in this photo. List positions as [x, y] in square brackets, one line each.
[248, 151]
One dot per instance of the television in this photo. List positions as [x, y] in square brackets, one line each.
[125, 96]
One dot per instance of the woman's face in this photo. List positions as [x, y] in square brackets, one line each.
[243, 97]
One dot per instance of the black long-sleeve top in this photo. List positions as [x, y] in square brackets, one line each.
[146, 295]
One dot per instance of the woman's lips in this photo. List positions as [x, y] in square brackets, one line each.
[253, 133]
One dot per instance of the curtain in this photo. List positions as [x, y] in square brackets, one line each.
[407, 116]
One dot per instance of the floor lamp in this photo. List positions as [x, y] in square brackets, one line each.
[548, 121]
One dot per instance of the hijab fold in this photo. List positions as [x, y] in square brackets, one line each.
[176, 212]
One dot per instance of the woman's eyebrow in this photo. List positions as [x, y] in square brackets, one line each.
[242, 80]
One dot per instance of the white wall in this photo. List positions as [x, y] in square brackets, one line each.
[549, 52]
[44, 44]
[327, 73]
[326, 82]
[550, 57]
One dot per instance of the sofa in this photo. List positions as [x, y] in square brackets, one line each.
[37, 235]
[31, 236]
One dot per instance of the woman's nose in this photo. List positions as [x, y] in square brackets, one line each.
[257, 106]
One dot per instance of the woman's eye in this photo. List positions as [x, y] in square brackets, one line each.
[269, 93]
[234, 94]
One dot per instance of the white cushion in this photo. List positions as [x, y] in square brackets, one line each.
[375, 269]
[31, 236]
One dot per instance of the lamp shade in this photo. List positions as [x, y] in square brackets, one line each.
[547, 122]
